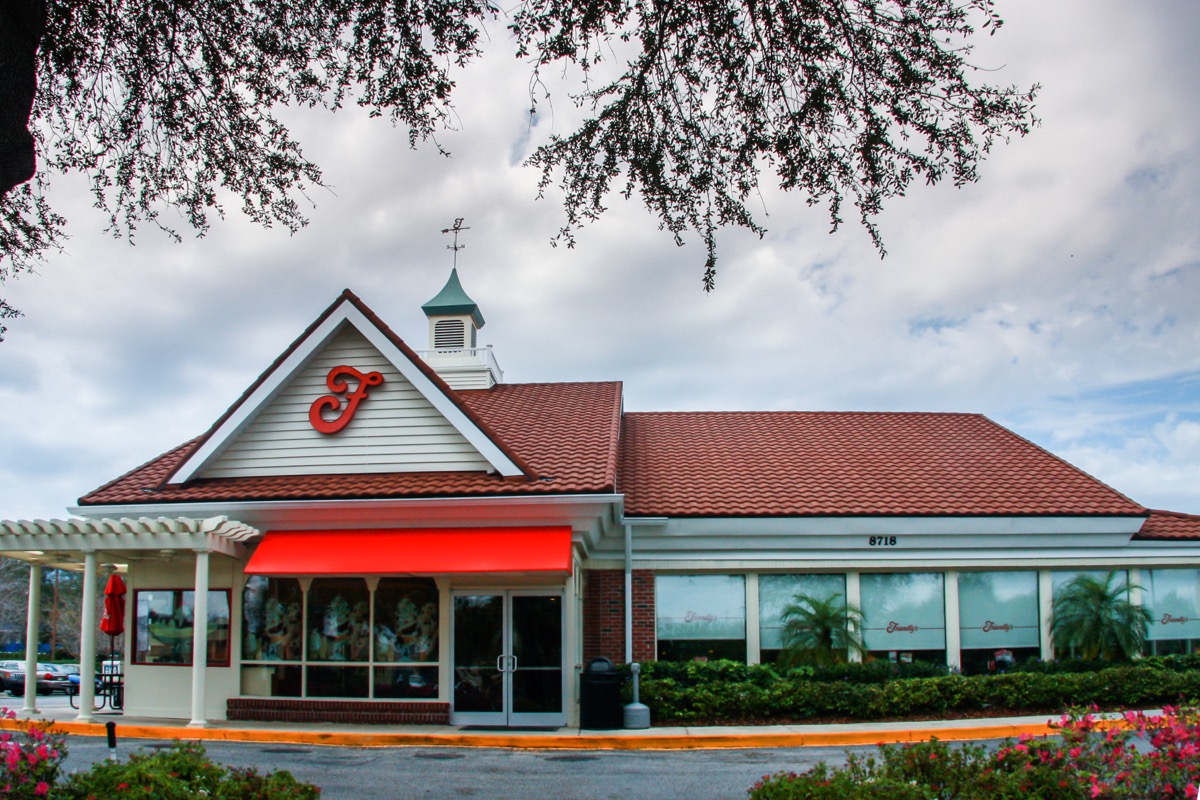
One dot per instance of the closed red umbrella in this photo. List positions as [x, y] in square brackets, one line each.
[112, 621]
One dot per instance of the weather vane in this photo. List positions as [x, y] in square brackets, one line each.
[458, 226]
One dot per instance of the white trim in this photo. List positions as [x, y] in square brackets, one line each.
[916, 525]
[345, 313]
[841, 562]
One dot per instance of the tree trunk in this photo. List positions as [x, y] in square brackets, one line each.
[22, 23]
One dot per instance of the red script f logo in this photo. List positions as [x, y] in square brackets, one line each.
[336, 383]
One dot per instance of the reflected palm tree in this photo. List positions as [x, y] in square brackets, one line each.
[1094, 618]
[820, 631]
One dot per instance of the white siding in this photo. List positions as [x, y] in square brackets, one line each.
[394, 430]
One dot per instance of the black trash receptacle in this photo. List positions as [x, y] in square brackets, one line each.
[600, 696]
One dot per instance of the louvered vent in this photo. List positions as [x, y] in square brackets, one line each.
[450, 334]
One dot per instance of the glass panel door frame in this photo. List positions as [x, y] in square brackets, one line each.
[507, 663]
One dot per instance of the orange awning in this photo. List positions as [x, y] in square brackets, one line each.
[423, 551]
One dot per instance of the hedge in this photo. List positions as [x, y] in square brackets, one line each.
[728, 692]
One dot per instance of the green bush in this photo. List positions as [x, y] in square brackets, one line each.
[182, 773]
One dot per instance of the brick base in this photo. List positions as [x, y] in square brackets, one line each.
[358, 712]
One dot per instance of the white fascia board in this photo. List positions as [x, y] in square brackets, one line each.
[881, 526]
[582, 511]
[345, 314]
[833, 561]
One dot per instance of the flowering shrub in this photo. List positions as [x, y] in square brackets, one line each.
[1145, 757]
[29, 759]
[30, 762]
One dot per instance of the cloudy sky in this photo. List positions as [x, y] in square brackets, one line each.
[1058, 296]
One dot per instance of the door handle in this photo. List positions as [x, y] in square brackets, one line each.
[513, 668]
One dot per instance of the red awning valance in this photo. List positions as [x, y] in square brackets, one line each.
[423, 551]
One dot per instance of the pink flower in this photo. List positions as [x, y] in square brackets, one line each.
[42, 789]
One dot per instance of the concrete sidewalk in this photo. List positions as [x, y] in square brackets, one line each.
[658, 738]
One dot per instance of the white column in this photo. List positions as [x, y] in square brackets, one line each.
[34, 613]
[953, 624]
[87, 640]
[854, 598]
[445, 610]
[200, 642]
[1046, 612]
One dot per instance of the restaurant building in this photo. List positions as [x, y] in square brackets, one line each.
[374, 533]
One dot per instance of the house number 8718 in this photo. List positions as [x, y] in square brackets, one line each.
[882, 541]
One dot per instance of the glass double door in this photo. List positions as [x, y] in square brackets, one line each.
[508, 658]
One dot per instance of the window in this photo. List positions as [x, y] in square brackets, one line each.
[776, 592]
[342, 640]
[904, 616]
[165, 625]
[1172, 596]
[406, 638]
[998, 619]
[701, 617]
[1059, 581]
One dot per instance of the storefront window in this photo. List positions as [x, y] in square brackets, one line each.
[339, 627]
[1172, 596]
[339, 652]
[406, 621]
[701, 617]
[165, 626]
[1059, 581]
[998, 618]
[272, 610]
[904, 616]
[776, 592]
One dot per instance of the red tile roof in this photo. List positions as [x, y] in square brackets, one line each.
[846, 464]
[1170, 525]
[566, 433]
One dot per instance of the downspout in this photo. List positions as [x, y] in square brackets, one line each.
[628, 593]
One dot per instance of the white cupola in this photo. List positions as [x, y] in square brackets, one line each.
[454, 354]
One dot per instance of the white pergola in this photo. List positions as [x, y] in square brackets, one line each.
[85, 544]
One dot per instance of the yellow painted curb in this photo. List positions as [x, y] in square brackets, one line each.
[583, 741]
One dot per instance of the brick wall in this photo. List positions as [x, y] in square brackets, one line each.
[604, 614]
[358, 712]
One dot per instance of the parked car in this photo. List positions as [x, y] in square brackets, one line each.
[12, 677]
[55, 677]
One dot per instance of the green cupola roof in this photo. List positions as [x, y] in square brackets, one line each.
[453, 300]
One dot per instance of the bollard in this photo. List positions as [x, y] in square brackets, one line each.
[637, 715]
[111, 729]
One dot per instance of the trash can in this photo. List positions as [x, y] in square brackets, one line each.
[600, 696]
